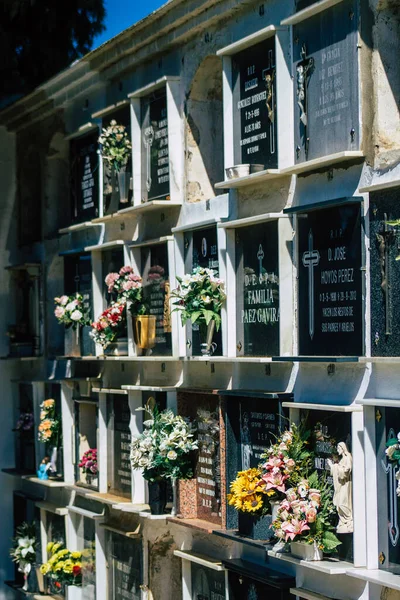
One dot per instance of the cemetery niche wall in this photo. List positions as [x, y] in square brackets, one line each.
[201, 250]
[25, 455]
[78, 279]
[257, 290]
[330, 281]
[384, 273]
[84, 177]
[252, 420]
[326, 99]
[155, 149]
[254, 106]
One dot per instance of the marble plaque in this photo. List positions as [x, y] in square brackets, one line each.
[120, 438]
[325, 69]
[257, 290]
[125, 571]
[84, 161]
[155, 146]
[330, 282]
[254, 105]
[207, 584]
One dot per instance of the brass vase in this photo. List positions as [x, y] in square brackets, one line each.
[144, 331]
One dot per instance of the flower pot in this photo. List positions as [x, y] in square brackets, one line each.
[117, 348]
[73, 592]
[56, 460]
[124, 180]
[92, 480]
[40, 579]
[274, 509]
[144, 331]
[206, 332]
[157, 497]
[72, 342]
[305, 551]
[255, 528]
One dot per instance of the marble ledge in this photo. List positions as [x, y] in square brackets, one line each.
[51, 483]
[198, 524]
[142, 510]
[377, 576]
[327, 566]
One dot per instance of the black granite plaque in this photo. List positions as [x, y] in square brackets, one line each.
[300, 4]
[78, 279]
[387, 427]
[326, 82]
[327, 430]
[385, 273]
[204, 254]
[330, 282]
[55, 528]
[245, 588]
[155, 146]
[257, 289]
[252, 424]
[156, 293]
[25, 434]
[126, 568]
[254, 105]
[120, 437]
[207, 584]
[84, 161]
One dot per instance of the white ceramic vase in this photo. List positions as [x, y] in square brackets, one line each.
[308, 552]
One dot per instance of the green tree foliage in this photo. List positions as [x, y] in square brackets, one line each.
[39, 38]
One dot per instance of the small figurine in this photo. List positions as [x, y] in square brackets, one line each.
[44, 466]
[342, 482]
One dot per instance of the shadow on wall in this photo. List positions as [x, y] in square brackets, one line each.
[204, 131]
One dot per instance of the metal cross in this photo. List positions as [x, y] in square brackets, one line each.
[268, 76]
[310, 260]
[148, 141]
[303, 69]
[260, 256]
[385, 238]
[391, 469]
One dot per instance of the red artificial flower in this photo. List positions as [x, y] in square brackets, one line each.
[76, 570]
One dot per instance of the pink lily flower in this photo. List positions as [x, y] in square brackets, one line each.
[275, 481]
[293, 528]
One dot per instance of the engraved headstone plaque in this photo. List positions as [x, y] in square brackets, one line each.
[330, 282]
[254, 105]
[84, 161]
[326, 113]
[207, 584]
[155, 146]
[257, 290]
[125, 573]
[120, 472]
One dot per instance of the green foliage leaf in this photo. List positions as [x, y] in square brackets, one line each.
[330, 541]
[195, 315]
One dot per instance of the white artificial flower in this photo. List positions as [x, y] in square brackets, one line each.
[172, 455]
[391, 450]
[76, 315]
[71, 305]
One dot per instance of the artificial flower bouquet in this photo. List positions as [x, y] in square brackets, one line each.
[163, 449]
[88, 462]
[115, 146]
[24, 544]
[50, 425]
[392, 452]
[108, 326]
[128, 288]
[200, 296]
[64, 567]
[25, 422]
[70, 311]
[249, 493]
[307, 515]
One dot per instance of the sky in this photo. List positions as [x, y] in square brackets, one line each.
[122, 14]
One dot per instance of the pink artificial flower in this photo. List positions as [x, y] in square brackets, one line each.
[291, 494]
[110, 280]
[289, 464]
[64, 300]
[315, 497]
[293, 528]
[311, 515]
[126, 269]
[296, 507]
[273, 461]
[275, 481]
[284, 505]
[59, 312]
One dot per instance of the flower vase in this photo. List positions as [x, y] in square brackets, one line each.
[174, 482]
[117, 348]
[304, 551]
[54, 470]
[274, 509]
[73, 592]
[124, 180]
[206, 332]
[72, 342]
[144, 331]
[91, 480]
[157, 496]
[254, 527]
